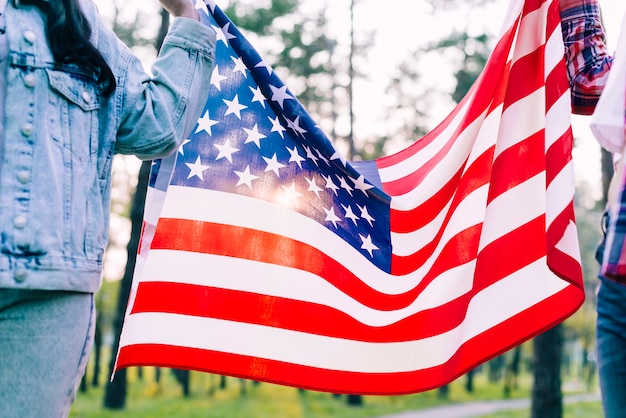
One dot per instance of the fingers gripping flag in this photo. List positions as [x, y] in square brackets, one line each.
[266, 255]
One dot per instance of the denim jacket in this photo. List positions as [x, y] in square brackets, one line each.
[61, 135]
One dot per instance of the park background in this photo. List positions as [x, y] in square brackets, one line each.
[376, 76]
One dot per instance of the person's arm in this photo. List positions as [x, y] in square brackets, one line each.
[157, 112]
[586, 54]
[181, 8]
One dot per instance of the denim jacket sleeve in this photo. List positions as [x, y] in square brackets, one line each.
[156, 113]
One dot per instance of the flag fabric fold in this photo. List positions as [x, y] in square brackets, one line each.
[266, 255]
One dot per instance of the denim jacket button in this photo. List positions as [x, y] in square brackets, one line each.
[86, 97]
[27, 129]
[30, 36]
[20, 222]
[20, 275]
[23, 177]
[30, 80]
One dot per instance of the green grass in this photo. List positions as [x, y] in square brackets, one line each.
[147, 399]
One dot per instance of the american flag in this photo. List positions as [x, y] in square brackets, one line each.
[266, 255]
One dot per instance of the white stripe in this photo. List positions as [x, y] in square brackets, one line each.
[521, 120]
[488, 309]
[531, 34]
[558, 119]
[513, 12]
[184, 203]
[568, 244]
[487, 135]
[154, 202]
[554, 51]
[404, 167]
[470, 212]
[514, 208]
[441, 173]
[289, 283]
[560, 192]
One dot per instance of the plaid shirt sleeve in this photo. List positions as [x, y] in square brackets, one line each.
[586, 55]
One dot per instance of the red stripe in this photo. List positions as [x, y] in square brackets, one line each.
[526, 77]
[517, 164]
[239, 306]
[402, 221]
[475, 176]
[239, 242]
[532, 5]
[412, 180]
[307, 317]
[556, 85]
[499, 339]
[459, 250]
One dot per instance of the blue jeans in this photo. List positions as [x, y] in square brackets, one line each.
[611, 346]
[45, 340]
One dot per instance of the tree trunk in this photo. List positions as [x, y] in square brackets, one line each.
[97, 347]
[469, 382]
[354, 400]
[547, 399]
[607, 173]
[115, 393]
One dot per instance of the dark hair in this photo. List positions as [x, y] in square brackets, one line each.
[68, 33]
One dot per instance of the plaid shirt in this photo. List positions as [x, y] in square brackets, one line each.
[586, 54]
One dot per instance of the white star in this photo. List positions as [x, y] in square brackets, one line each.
[277, 126]
[245, 177]
[240, 66]
[279, 94]
[309, 154]
[295, 157]
[257, 96]
[210, 3]
[330, 184]
[319, 154]
[313, 187]
[360, 184]
[205, 123]
[331, 217]
[350, 213]
[345, 185]
[181, 150]
[295, 126]
[254, 135]
[196, 169]
[217, 78]
[226, 151]
[291, 194]
[234, 107]
[265, 65]
[340, 157]
[219, 35]
[228, 35]
[273, 165]
[365, 214]
[368, 245]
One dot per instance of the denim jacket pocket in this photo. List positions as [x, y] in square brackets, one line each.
[75, 102]
[76, 88]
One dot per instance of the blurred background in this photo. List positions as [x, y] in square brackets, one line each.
[376, 76]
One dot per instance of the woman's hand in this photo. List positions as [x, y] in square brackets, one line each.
[181, 8]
